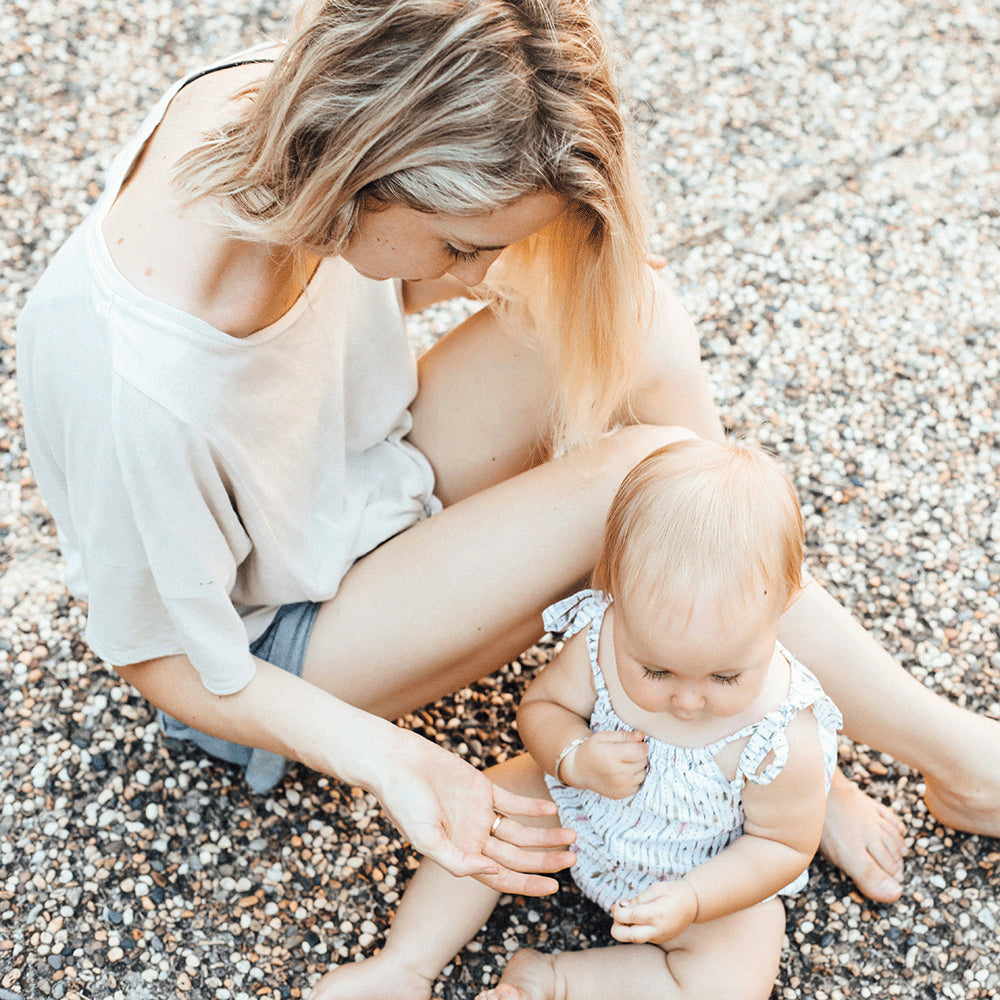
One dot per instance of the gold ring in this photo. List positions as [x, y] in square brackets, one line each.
[496, 824]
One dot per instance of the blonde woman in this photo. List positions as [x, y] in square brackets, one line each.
[286, 534]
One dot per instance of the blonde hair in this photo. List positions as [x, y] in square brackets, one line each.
[704, 519]
[457, 107]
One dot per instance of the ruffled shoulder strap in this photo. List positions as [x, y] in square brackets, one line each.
[572, 614]
[768, 735]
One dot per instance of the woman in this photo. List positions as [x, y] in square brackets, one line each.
[242, 464]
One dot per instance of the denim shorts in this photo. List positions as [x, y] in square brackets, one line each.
[284, 644]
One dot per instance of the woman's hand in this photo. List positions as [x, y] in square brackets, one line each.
[657, 915]
[611, 763]
[449, 811]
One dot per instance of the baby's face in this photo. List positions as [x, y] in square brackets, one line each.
[707, 665]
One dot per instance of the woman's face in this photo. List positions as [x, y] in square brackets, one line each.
[400, 242]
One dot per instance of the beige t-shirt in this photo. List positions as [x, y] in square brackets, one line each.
[199, 481]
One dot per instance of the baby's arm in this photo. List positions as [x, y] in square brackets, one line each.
[781, 833]
[554, 715]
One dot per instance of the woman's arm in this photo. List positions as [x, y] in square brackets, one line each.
[554, 714]
[444, 806]
[784, 820]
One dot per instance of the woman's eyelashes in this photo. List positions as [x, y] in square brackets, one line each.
[463, 256]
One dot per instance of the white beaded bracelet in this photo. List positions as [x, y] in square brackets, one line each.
[565, 752]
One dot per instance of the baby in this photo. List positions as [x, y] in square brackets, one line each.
[687, 748]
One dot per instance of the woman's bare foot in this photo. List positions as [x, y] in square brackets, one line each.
[379, 978]
[975, 810]
[864, 839]
[969, 799]
[529, 975]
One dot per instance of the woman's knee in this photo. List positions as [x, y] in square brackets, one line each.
[480, 414]
[640, 440]
[620, 451]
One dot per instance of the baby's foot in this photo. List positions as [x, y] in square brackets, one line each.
[529, 975]
[377, 978]
[864, 839]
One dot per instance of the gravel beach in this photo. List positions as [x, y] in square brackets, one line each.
[824, 182]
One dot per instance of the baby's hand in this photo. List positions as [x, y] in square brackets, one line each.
[657, 915]
[611, 763]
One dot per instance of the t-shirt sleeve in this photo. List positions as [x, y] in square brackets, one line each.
[164, 548]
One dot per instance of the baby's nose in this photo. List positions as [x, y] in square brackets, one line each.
[688, 698]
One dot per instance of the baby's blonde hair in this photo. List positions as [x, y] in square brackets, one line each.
[458, 107]
[704, 519]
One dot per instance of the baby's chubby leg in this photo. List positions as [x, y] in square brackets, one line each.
[437, 916]
[735, 957]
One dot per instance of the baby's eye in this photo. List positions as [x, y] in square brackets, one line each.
[726, 678]
[465, 256]
[654, 675]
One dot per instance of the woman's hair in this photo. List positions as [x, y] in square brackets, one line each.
[703, 519]
[456, 107]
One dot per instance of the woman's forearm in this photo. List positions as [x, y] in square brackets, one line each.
[276, 711]
[444, 806]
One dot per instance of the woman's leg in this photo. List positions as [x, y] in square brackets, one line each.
[957, 751]
[460, 594]
[735, 957]
[457, 596]
[437, 916]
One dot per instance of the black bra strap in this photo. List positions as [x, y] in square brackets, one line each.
[216, 69]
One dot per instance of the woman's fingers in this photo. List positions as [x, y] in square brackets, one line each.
[522, 860]
[509, 803]
[521, 884]
[510, 845]
[512, 831]
[456, 816]
[514, 870]
[444, 852]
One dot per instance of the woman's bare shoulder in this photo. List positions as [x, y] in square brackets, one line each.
[177, 253]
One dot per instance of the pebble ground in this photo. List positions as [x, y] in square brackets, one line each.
[823, 179]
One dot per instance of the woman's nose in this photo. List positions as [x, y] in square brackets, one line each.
[472, 272]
